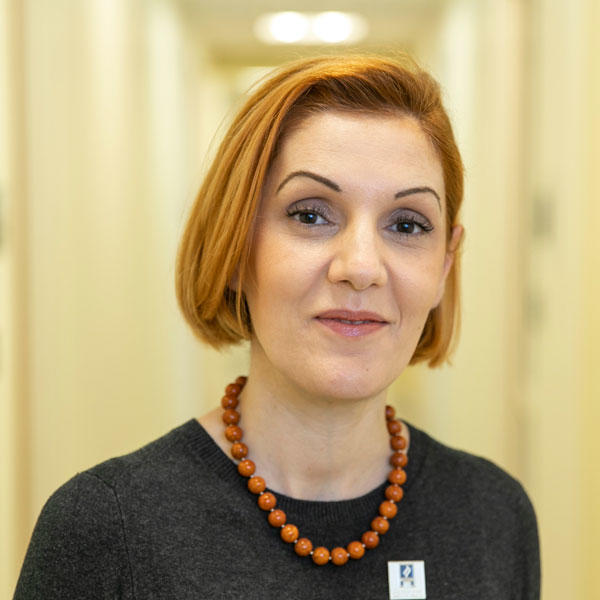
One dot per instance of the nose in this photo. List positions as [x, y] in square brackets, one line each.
[358, 257]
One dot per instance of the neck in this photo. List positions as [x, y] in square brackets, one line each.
[310, 447]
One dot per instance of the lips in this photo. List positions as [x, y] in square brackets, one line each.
[350, 323]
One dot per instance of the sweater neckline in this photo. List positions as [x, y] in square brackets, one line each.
[209, 452]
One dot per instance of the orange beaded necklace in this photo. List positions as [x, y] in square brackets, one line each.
[277, 518]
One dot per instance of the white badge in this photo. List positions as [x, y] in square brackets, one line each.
[406, 579]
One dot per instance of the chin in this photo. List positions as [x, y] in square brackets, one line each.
[348, 382]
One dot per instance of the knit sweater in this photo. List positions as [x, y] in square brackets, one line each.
[175, 520]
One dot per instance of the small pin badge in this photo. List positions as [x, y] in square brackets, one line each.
[407, 579]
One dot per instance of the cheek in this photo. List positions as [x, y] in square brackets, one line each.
[416, 286]
[279, 276]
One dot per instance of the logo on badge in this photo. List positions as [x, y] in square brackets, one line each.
[407, 575]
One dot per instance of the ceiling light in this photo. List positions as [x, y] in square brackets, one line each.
[329, 27]
[283, 28]
[332, 27]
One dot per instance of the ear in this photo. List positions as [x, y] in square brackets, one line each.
[453, 244]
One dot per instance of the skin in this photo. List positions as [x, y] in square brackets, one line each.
[340, 226]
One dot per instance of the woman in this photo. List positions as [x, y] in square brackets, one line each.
[327, 234]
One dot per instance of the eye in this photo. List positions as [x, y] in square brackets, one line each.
[308, 216]
[411, 225]
[408, 227]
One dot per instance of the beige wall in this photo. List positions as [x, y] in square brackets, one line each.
[563, 376]
[589, 450]
[14, 489]
[473, 404]
[106, 108]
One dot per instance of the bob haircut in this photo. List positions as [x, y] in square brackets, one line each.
[217, 240]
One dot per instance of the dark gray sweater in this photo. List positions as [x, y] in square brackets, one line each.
[175, 520]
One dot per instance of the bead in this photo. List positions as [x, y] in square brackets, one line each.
[303, 547]
[339, 556]
[233, 389]
[388, 509]
[370, 539]
[394, 427]
[320, 556]
[276, 518]
[397, 442]
[239, 450]
[233, 433]
[398, 459]
[229, 402]
[230, 417]
[241, 380]
[394, 492]
[256, 484]
[390, 412]
[397, 476]
[267, 501]
[289, 533]
[380, 525]
[356, 550]
[246, 468]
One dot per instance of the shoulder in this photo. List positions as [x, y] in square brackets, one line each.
[96, 489]
[473, 511]
[93, 500]
[87, 521]
[465, 478]
[469, 498]
[160, 459]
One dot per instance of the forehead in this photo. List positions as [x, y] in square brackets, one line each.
[360, 148]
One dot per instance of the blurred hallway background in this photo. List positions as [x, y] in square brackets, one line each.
[107, 112]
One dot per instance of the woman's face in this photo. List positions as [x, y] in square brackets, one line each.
[349, 254]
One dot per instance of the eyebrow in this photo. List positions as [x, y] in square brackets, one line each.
[419, 190]
[330, 184]
[334, 186]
